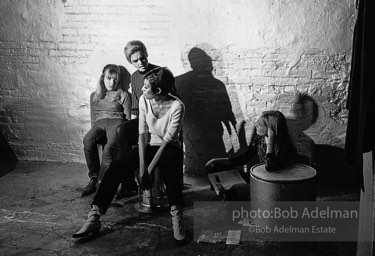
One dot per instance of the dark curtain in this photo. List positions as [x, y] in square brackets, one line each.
[360, 136]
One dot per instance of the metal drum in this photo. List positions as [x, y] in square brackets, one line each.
[296, 182]
[292, 183]
[155, 199]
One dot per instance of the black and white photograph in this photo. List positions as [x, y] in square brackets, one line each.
[187, 127]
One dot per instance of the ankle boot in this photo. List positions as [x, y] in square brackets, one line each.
[178, 225]
[91, 225]
[91, 187]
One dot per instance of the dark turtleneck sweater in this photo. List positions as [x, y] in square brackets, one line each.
[136, 82]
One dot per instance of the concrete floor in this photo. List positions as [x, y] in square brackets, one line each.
[41, 207]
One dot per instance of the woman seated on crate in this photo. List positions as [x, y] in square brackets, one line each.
[270, 144]
[110, 107]
[160, 121]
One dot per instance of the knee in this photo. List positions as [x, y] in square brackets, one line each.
[93, 138]
[118, 131]
[121, 130]
[89, 141]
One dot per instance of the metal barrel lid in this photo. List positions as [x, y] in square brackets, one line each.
[294, 173]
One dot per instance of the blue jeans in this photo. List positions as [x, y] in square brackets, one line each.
[103, 132]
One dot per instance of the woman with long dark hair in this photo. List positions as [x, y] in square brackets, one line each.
[110, 107]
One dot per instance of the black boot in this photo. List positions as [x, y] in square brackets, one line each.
[90, 188]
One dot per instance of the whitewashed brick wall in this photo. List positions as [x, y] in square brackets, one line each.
[262, 54]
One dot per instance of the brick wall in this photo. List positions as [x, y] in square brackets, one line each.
[232, 59]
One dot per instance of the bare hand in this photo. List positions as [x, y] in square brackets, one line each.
[136, 177]
[270, 136]
[144, 179]
[141, 172]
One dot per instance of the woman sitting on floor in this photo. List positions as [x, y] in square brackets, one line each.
[270, 144]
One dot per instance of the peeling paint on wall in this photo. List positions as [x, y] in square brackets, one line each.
[249, 56]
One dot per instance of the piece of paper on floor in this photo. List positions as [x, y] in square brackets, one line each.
[234, 237]
[211, 236]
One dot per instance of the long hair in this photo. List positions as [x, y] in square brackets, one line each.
[113, 71]
[275, 120]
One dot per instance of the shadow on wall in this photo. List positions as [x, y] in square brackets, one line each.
[305, 112]
[207, 107]
[124, 79]
[8, 160]
[328, 160]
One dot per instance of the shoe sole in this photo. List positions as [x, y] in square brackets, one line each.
[93, 232]
[88, 193]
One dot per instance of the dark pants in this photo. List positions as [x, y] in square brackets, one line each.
[127, 136]
[238, 192]
[170, 165]
[103, 133]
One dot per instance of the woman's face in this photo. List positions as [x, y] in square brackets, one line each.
[261, 127]
[139, 61]
[110, 81]
[146, 89]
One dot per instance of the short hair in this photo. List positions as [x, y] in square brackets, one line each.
[134, 46]
[161, 78]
